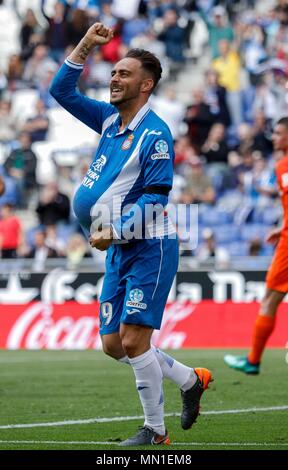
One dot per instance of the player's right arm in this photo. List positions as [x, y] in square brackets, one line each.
[63, 88]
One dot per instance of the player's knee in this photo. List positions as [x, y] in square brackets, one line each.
[110, 349]
[269, 305]
[128, 344]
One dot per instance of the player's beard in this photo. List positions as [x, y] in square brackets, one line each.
[125, 98]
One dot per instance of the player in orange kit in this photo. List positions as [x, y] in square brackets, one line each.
[277, 276]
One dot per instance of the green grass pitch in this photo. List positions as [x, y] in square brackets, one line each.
[56, 386]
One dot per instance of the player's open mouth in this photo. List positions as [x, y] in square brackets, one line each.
[115, 91]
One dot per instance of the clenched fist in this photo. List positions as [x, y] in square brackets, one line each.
[97, 35]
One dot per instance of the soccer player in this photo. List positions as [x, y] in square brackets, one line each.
[277, 276]
[134, 161]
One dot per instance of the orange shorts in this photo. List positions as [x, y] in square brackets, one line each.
[277, 275]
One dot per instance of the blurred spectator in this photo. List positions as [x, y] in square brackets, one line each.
[3, 82]
[57, 32]
[228, 66]
[38, 65]
[174, 37]
[37, 126]
[210, 251]
[15, 72]
[198, 185]
[170, 109]
[265, 101]
[256, 247]
[215, 148]
[11, 193]
[77, 26]
[53, 206]
[183, 151]
[106, 15]
[148, 41]
[244, 165]
[260, 183]
[126, 9]
[219, 29]
[40, 252]
[43, 88]
[7, 122]
[9, 37]
[99, 71]
[199, 118]
[55, 242]
[254, 52]
[131, 28]
[30, 26]
[76, 250]
[10, 232]
[245, 137]
[112, 51]
[262, 131]
[21, 165]
[216, 98]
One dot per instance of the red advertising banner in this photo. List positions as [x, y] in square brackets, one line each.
[70, 325]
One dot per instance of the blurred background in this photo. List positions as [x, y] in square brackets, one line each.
[225, 84]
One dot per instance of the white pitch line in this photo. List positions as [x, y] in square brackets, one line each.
[194, 444]
[134, 418]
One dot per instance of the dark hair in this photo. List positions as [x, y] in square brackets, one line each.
[149, 62]
[283, 122]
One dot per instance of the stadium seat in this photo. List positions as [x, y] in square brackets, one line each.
[252, 231]
[213, 216]
[226, 233]
[239, 248]
[23, 104]
[67, 131]
[271, 215]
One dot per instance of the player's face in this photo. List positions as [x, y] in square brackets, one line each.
[127, 81]
[280, 137]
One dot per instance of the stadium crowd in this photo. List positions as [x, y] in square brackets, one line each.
[222, 129]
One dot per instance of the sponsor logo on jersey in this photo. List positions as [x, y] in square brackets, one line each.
[128, 142]
[134, 310]
[99, 163]
[154, 133]
[93, 174]
[160, 156]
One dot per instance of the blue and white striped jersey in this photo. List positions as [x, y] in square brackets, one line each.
[125, 162]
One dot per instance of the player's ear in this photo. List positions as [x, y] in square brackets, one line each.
[147, 85]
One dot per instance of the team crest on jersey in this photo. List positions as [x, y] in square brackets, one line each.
[128, 142]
